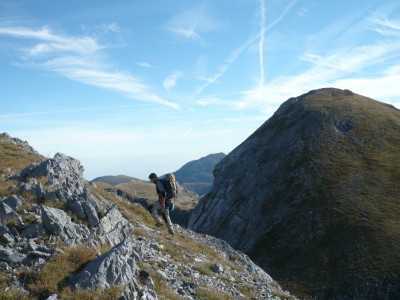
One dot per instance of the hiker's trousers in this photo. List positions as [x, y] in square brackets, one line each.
[156, 217]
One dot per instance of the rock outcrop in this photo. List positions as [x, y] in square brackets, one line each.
[313, 195]
[65, 177]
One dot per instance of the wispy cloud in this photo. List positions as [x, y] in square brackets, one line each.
[339, 67]
[145, 64]
[76, 58]
[387, 27]
[50, 42]
[171, 80]
[193, 23]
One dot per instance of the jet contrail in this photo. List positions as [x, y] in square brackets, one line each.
[261, 42]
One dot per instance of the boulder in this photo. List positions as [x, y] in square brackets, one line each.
[117, 267]
[57, 222]
[113, 227]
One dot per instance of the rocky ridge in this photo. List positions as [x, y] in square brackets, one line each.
[47, 211]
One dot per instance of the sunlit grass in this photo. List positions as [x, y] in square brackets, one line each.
[52, 278]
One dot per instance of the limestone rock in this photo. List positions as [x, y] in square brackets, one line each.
[113, 227]
[116, 267]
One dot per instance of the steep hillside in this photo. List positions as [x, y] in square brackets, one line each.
[197, 175]
[114, 180]
[64, 238]
[313, 196]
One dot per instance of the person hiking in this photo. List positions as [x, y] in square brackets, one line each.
[164, 202]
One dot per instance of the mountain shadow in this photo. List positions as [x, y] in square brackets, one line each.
[313, 196]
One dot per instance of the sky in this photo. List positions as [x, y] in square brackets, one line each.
[138, 86]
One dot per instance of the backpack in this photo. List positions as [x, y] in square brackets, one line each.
[169, 184]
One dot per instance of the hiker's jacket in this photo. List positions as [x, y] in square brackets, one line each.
[160, 188]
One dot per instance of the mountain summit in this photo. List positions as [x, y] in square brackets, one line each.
[313, 196]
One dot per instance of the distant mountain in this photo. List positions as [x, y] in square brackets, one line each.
[313, 196]
[114, 180]
[197, 175]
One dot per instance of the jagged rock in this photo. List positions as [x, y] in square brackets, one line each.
[116, 267]
[217, 268]
[65, 177]
[113, 227]
[7, 236]
[57, 222]
[7, 214]
[85, 206]
[32, 230]
[8, 255]
[61, 171]
[13, 201]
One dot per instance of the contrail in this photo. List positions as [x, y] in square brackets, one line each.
[261, 42]
[264, 29]
[250, 41]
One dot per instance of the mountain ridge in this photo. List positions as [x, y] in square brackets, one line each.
[62, 237]
[197, 175]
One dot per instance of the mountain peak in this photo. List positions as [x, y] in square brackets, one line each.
[312, 195]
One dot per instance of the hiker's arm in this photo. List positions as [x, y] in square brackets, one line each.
[162, 197]
[162, 194]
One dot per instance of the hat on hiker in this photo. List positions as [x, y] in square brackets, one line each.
[152, 175]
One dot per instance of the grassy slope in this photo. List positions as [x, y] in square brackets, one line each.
[13, 158]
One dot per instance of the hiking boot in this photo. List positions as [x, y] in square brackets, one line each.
[171, 231]
[159, 224]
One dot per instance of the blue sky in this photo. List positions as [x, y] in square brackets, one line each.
[140, 86]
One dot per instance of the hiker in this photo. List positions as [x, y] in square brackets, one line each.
[164, 202]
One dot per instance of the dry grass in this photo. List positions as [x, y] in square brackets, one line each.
[132, 212]
[212, 293]
[111, 293]
[16, 158]
[52, 278]
[162, 288]
[7, 292]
